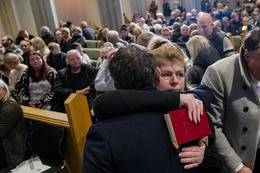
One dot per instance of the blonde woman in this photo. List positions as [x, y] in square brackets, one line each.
[39, 45]
[202, 55]
[12, 131]
[170, 62]
[172, 69]
[13, 63]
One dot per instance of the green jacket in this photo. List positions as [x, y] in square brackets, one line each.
[12, 135]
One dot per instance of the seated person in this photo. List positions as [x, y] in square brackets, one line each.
[123, 143]
[78, 37]
[104, 81]
[4, 73]
[39, 45]
[85, 57]
[13, 63]
[35, 87]
[56, 59]
[22, 35]
[75, 78]
[64, 45]
[9, 47]
[12, 131]
[26, 48]
[166, 33]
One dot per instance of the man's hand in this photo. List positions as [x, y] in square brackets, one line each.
[193, 105]
[245, 169]
[194, 155]
[111, 54]
[83, 91]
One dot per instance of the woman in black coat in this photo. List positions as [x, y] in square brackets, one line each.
[202, 56]
[12, 131]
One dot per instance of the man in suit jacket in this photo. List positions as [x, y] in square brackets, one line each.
[235, 111]
[137, 142]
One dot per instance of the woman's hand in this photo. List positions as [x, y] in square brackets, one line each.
[193, 105]
[32, 104]
[194, 155]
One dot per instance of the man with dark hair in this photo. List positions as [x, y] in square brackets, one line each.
[9, 46]
[235, 82]
[139, 141]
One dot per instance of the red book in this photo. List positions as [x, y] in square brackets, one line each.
[182, 130]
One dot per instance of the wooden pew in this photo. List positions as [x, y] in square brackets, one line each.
[77, 122]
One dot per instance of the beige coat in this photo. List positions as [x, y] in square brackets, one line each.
[235, 111]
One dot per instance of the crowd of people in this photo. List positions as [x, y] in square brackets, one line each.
[157, 63]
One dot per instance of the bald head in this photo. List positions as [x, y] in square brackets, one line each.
[205, 24]
[257, 3]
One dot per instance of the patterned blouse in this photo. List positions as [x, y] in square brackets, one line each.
[21, 92]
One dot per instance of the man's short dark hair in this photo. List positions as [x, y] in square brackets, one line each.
[252, 41]
[134, 67]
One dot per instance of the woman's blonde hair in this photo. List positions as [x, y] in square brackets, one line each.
[196, 44]
[38, 43]
[165, 52]
[12, 58]
[7, 93]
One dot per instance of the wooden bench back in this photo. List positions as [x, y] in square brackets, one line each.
[77, 122]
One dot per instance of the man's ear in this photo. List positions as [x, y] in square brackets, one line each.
[246, 55]
[116, 85]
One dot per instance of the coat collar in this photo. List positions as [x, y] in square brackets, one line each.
[245, 74]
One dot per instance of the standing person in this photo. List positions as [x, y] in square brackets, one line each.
[235, 84]
[202, 55]
[12, 131]
[166, 8]
[123, 143]
[218, 40]
[35, 87]
[153, 9]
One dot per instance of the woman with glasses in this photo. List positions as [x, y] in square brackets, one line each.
[172, 74]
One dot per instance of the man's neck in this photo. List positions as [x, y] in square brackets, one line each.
[75, 70]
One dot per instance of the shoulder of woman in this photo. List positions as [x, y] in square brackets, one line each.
[10, 105]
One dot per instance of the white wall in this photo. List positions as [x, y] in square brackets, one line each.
[24, 16]
[2, 32]
[77, 11]
[127, 8]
